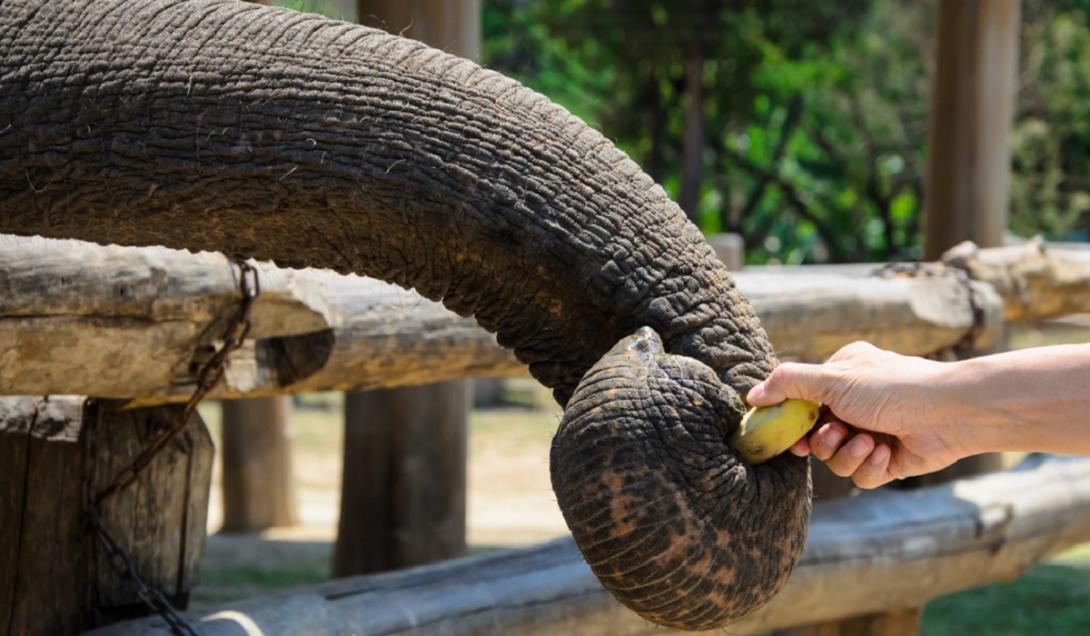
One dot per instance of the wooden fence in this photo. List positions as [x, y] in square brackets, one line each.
[129, 326]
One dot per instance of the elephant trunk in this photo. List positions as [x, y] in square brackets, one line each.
[219, 125]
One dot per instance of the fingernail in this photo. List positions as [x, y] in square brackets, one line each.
[858, 448]
[756, 392]
[832, 438]
[878, 456]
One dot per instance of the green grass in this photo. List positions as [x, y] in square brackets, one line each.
[1049, 599]
[224, 585]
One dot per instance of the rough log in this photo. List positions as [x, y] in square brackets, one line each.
[55, 451]
[1034, 279]
[883, 550]
[123, 322]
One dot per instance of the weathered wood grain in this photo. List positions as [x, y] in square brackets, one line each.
[54, 578]
[880, 551]
[124, 322]
[1035, 280]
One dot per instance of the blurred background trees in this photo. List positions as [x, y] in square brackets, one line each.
[800, 125]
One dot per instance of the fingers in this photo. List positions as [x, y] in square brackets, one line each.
[857, 455]
[826, 440]
[875, 470]
[791, 380]
[851, 455]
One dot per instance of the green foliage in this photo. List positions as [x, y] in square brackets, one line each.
[813, 115]
[1050, 188]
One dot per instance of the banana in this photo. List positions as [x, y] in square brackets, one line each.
[770, 430]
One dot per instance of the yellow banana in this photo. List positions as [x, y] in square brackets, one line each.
[770, 430]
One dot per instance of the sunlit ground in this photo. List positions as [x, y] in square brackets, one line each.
[510, 504]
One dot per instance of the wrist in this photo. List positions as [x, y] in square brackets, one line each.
[984, 406]
[962, 408]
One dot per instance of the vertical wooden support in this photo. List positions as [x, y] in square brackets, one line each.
[729, 248]
[968, 164]
[972, 105]
[403, 502]
[56, 452]
[488, 392]
[403, 492]
[451, 25]
[258, 492]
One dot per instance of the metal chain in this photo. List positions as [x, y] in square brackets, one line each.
[209, 374]
[122, 564]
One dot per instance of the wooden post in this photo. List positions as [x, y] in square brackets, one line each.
[972, 105]
[489, 392]
[968, 164]
[451, 25]
[257, 470]
[729, 248]
[403, 492]
[403, 502]
[55, 452]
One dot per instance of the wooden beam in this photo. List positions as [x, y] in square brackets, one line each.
[880, 551]
[54, 575]
[125, 322]
[972, 106]
[1035, 280]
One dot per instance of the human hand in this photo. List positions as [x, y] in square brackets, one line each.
[885, 416]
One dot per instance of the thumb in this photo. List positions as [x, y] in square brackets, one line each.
[791, 380]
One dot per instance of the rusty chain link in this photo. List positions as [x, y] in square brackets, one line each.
[209, 374]
[122, 564]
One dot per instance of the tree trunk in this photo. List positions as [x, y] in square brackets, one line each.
[56, 452]
[403, 496]
[258, 492]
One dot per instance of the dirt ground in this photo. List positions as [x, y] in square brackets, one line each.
[509, 500]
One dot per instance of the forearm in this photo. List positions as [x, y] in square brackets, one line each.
[1028, 400]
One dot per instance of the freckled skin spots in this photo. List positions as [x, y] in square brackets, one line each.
[709, 539]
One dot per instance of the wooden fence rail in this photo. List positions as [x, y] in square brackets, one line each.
[880, 551]
[126, 322]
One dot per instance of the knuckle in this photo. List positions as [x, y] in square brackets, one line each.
[854, 349]
[781, 374]
[866, 482]
[838, 468]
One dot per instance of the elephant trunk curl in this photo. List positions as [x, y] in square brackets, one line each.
[218, 125]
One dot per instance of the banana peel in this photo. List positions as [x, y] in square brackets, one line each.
[767, 431]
